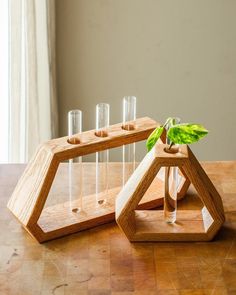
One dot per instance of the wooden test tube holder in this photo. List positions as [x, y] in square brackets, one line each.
[149, 225]
[28, 199]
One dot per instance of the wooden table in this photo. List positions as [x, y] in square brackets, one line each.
[102, 261]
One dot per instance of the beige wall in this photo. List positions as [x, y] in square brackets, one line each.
[177, 57]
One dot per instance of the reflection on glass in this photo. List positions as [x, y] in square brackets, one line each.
[129, 117]
[102, 158]
[171, 186]
[75, 165]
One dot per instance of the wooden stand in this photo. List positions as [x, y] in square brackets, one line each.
[191, 225]
[28, 199]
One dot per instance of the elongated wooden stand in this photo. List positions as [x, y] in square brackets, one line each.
[28, 199]
[191, 225]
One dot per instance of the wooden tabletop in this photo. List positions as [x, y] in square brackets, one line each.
[101, 261]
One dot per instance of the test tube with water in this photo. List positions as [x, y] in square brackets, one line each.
[171, 185]
[102, 158]
[129, 117]
[75, 164]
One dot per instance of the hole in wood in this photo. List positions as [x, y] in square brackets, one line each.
[73, 140]
[128, 127]
[101, 133]
[75, 210]
[172, 150]
[100, 202]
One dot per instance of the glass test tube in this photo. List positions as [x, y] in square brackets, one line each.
[102, 158]
[129, 116]
[75, 165]
[171, 186]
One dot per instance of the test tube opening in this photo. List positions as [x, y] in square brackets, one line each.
[129, 113]
[73, 140]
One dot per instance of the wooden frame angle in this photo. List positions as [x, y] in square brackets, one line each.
[28, 199]
[149, 225]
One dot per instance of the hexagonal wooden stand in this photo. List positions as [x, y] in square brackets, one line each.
[29, 197]
[191, 225]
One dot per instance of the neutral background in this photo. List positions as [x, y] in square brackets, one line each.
[177, 57]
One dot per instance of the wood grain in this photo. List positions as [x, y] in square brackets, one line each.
[29, 196]
[90, 143]
[102, 260]
[150, 226]
[31, 192]
[57, 219]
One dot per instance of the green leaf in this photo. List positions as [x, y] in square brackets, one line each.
[153, 137]
[186, 133]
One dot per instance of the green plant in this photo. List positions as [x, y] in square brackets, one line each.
[184, 133]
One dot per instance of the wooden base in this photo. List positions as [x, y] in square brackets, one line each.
[59, 219]
[150, 225]
[190, 226]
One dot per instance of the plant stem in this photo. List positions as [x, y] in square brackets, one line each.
[171, 144]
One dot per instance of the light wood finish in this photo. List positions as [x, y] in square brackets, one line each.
[29, 197]
[150, 226]
[58, 219]
[30, 194]
[102, 261]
